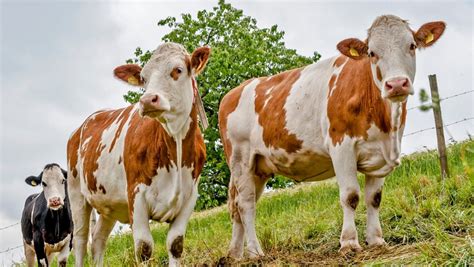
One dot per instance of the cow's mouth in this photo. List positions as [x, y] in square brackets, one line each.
[398, 97]
[151, 113]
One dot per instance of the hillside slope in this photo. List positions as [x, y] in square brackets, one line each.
[425, 221]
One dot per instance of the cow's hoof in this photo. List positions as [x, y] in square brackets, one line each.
[376, 242]
[226, 261]
[349, 246]
[144, 251]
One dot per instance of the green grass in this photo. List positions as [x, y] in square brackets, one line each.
[425, 221]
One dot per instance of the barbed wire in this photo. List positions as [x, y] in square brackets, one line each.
[434, 127]
[10, 249]
[442, 99]
[9, 226]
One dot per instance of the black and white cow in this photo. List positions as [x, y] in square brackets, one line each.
[46, 222]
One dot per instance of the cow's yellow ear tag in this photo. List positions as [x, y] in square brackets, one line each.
[132, 80]
[33, 183]
[429, 38]
[353, 52]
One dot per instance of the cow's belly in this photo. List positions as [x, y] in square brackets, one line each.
[166, 194]
[300, 166]
[110, 199]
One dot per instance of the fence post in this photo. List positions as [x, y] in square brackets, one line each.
[443, 159]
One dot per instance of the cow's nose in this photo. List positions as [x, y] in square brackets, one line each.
[150, 102]
[54, 201]
[397, 85]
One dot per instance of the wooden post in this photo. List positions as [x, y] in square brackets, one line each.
[443, 159]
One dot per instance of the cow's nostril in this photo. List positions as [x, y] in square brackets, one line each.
[155, 99]
[388, 85]
[405, 84]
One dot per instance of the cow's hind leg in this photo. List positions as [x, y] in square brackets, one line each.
[345, 167]
[29, 254]
[175, 238]
[99, 238]
[248, 188]
[373, 197]
[142, 237]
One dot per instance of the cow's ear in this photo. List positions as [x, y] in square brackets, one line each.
[199, 59]
[129, 73]
[429, 33]
[353, 48]
[33, 180]
[64, 173]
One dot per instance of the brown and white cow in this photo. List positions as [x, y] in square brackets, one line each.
[141, 162]
[332, 118]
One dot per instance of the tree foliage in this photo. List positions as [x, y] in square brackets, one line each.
[240, 51]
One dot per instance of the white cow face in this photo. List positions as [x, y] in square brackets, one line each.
[168, 80]
[53, 181]
[391, 46]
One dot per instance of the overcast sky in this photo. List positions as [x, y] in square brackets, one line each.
[57, 60]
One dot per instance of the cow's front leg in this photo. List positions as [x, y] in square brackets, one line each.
[142, 237]
[373, 197]
[345, 166]
[39, 248]
[175, 238]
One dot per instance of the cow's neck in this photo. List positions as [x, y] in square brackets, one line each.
[397, 111]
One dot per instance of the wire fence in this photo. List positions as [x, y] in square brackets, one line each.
[408, 134]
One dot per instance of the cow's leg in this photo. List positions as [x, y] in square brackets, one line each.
[100, 234]
[142, 237]
[373, 197]
[39, 248]
[175, 238]
[50, 257]
[248, 187]
[345, 167]
[236, 249]
[29, 254]
[64, 253]
[81, 211]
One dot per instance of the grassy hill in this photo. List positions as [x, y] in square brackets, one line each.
[425, 221]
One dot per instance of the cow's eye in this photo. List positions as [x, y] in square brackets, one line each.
[371, 54]
[412, 46]
[179, 70]
[44, 184]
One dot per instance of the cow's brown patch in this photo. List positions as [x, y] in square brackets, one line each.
[121, 119]
[91, 146]
[148, 147]
[175, 73]
[379, 74]
[271, 111]
[404, 113]
[144, 250]
[227, 106]
[377, 199]
[353, 200]
[356, 103]
[339, 61]
[72, 150]
[177, 247]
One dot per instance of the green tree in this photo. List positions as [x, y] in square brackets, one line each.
[240, 51]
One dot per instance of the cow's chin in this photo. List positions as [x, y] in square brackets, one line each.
[57, 207]
[397, 98]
